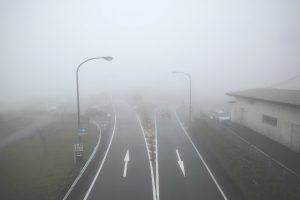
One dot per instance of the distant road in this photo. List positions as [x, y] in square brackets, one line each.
[125, 172]
[181, 174]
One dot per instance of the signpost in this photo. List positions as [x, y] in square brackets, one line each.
[82, 131]
[78, 152]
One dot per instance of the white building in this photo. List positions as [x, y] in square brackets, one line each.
[274, 113]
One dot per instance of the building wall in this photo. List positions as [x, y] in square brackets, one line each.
[250, 113]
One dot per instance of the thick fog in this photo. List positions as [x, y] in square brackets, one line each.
[224, 45]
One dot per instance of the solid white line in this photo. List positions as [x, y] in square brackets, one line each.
[87, 163]
[259, 150]
[156, 158]
[237, 135]
[210, 173]
[282, 165]
[151, 167]
[97, 174]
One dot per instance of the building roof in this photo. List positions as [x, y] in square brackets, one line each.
[291, 97]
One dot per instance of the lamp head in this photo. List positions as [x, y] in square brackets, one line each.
[108, 58]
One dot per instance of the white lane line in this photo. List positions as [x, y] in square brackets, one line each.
[156, 158]
[237, 135]
[259, 150]
[87, 163]
[210, 173]
[99, 169]
[151, 166]
[180, 163]
[126, 160]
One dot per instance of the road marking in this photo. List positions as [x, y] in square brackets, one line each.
[87, 163]
[151, 166]
[156, 158]
[259, 150]
[180, 163]
[99, 169]
[237, 135]
[210, 173]
[126, 160]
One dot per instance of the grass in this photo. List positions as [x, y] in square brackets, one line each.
[40, 166]
[12, 125]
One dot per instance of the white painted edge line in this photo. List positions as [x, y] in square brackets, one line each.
[259, 150]
[244, 140]
[282, 165]
[87, 163]
[237, 135]
[103, 160]
[156, 158]
[262, 152]
[210, 173]
[148, 153]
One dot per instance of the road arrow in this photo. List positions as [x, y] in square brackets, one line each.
[180, 163]
[126, 160]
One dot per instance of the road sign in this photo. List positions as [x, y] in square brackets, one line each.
[82, 131]
[78, 147]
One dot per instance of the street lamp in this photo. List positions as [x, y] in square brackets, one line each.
[190, 107]
[107, 58]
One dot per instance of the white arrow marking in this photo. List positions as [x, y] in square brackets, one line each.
[126, 159]
[180, 163]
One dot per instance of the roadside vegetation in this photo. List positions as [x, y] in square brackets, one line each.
[8, 126]
[246, 170]
[144, 107]
[41, 166]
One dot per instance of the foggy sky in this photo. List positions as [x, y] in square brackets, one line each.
[225, 46]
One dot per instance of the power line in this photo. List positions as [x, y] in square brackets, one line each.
[285, 81]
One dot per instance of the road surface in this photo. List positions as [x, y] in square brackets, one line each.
[181, 174]
[125, 173]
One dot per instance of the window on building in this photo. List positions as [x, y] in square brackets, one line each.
[269, 120]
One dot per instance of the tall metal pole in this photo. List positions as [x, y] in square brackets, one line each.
[78, 105]
[78, 102]
[190, 113]
[190, 106]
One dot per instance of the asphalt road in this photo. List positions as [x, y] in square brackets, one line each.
[181, 174]
[277, 151]
[123, 175]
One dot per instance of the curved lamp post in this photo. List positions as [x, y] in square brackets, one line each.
[190, 107]
[107, 58]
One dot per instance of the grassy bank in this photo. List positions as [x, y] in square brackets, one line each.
[248, 172]
[10, 126]
[40, 166]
